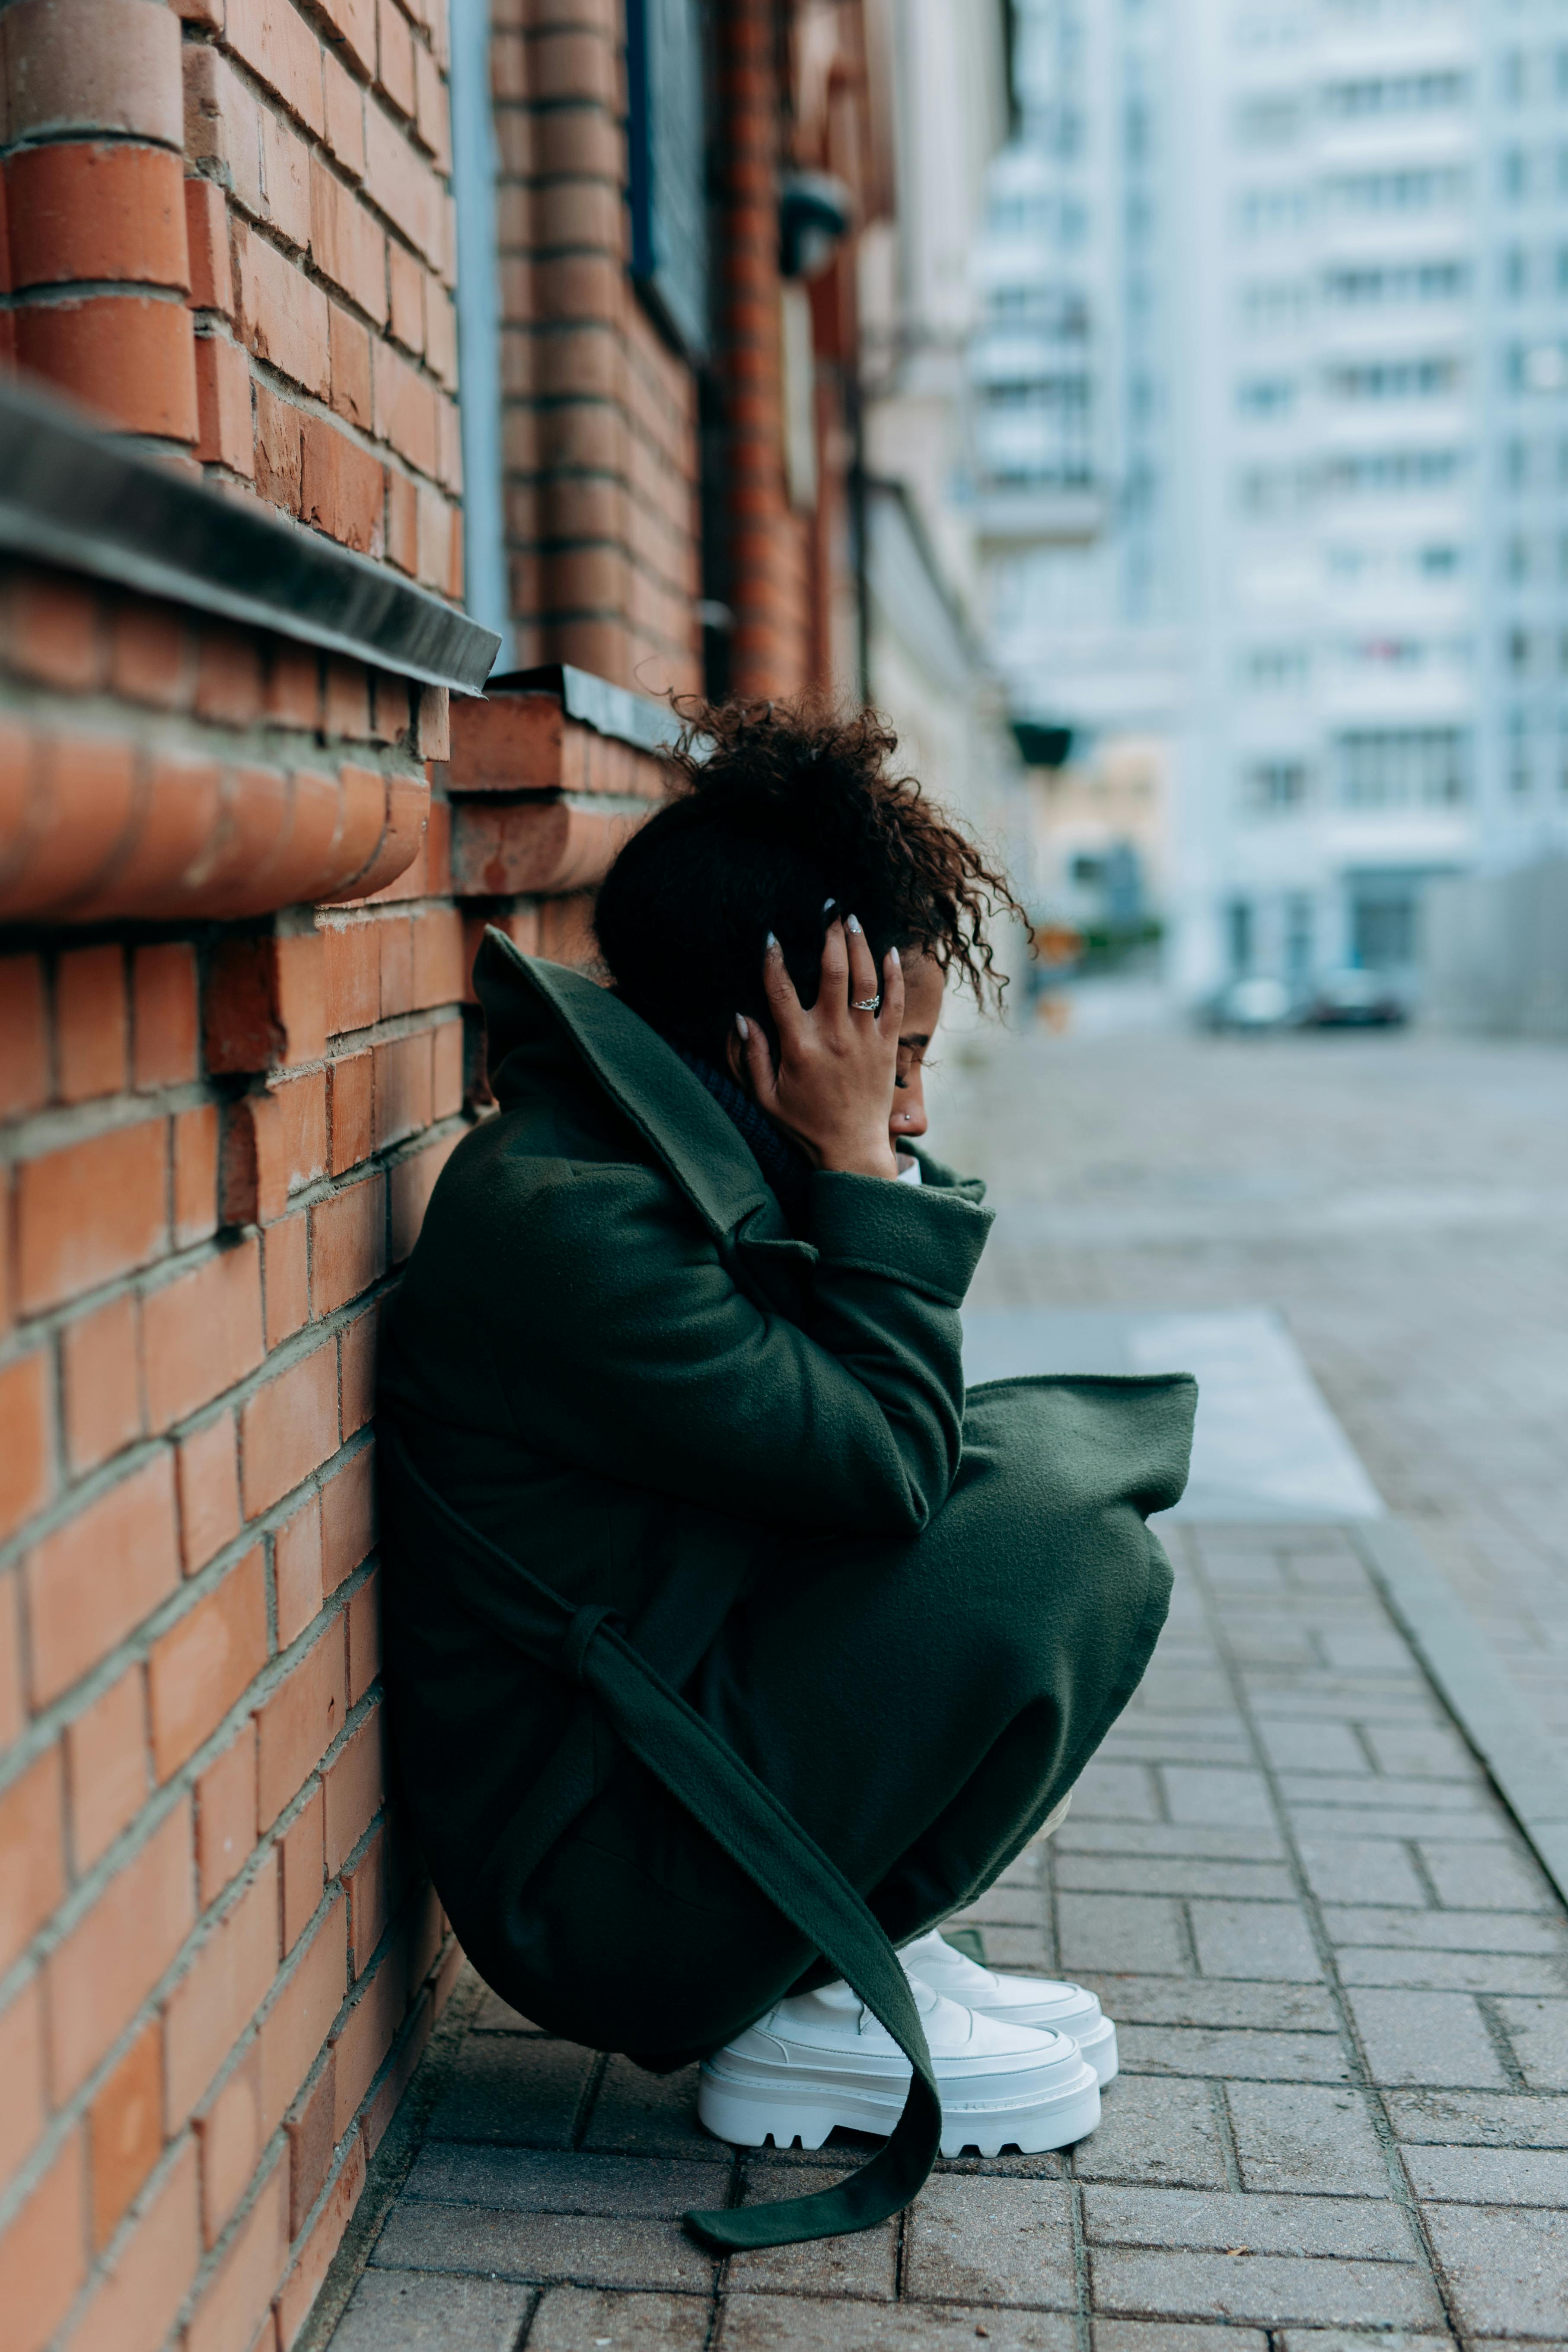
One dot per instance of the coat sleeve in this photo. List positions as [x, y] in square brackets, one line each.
[626, 1348]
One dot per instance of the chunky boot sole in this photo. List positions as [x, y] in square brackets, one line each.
[749, 2109]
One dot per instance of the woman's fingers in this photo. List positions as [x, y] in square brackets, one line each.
[759, 1062]
[779, 990]
[833, 991]
[863, 982]
[892, 1015]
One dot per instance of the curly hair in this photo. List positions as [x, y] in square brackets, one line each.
[780, 813]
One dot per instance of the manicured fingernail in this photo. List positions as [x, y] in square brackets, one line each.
[744, 1025]
[852, 923]
[770, 943]
[892, 955]
[828, 905]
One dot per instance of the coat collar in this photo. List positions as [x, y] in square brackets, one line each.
[644, 1077]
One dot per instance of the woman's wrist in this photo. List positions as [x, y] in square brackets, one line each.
[868, 1160]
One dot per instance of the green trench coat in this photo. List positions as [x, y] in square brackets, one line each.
[641, 1441]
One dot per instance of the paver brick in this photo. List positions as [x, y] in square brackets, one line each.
[1504, 2270]
[529, 2180]
[513, 2090]
[1267, 2289]
[571, 2318]
[1537, 2031]
[1218, 1795]
[1434, 1751]
[1478, 2119]
[1445, 1931]
[1306, 2137]
[1115, 1792]
[1125, 1931]
[1489, 2176]
[1380, 1792]
[864, 2266]
[763, 2323]
[411, 2311]
[1260, 2224]
[1426, 2037]
[1317, 1824]
[1249, 2057]
[1095, 1874]
[991, 2240]
[1146, 2335]
[1361, 1870]
[1193, 1840]
[1495, 1972]
[1307, 1747]
[1255, 1941]
[1202, 2001]
[1487, 1878]
[1156, 2130]
[541, 2247]
[638, 2114]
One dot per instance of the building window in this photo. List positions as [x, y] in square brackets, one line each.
[1275, 787]
[1383, 931]
[1239, 934]
[667, 141]
[1411, 379]
[1404, 767]
[1297, 936]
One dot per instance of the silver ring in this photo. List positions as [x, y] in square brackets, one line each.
[864, 1005]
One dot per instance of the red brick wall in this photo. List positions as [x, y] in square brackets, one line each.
[600, 415]
[253, 201]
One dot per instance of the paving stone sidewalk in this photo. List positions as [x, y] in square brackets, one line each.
[1342, 1983]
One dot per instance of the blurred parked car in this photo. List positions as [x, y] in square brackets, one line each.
[1354, 1000]
[1256, 1003]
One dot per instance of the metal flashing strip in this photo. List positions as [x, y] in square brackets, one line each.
[72, 495]
[1526, 1764]
[611, 710]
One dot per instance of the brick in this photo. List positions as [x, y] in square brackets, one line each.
[54, 631]
[349, 1094]
[92, 1580]
[369, 1908]
[288, 1428]
[347, 700]
[229, 2134]
[354, 1783]
[297, 1572]
[348, 1518]
[312, 2143]
[278, 458]
[265, 1003]
[349, 355]
[139, 2300]
[286, 1278]
[1304, 2137]
[105, 1967]
[302, 1855]
[27, 1465]
[84, 789]
[106, 1761]
[148, 656]
[131, 357]
[354, 23]
[203, 1664]
[43, 2252]
[298, 1720]
[343, 488]
[275, 1143]
[223, 431]
[208, 1482]
[356, 1355]
[406, 285]
[343, 107]
[11, 1711]
[23, 2110]
[368, 2031]
[434, 131]
[79, 211]
[32, 1865]
[351, 976]
[225, 1816]
[125, 2130]
[402, 521]
[281, 315]
[277, 43]
[203, 1332]
[302, 2015]
[402, 1088]
[223, 125]
[437, 959]
[286, 181]
[364, 1638]
[164, 996]
[413, 1182]
[405, 409]
[348, 1244]
[206, 235]
[401, 184]
[115, 67]
[24, 1038]
[219, 1993]
[346, 245]
[294, 672]
[235, 2301]
[311, 2261]
[229, 675]
[91, 1023]
[1426, 2037]
[395, 56]
[448, 1060]
[396, 940]
[195, 1138]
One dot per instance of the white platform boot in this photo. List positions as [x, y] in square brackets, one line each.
[821, 2059]
[1039, 2001]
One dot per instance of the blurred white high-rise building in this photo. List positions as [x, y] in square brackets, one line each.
[1329, 445]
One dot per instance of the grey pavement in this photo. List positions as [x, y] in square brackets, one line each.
[1340, 1975]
